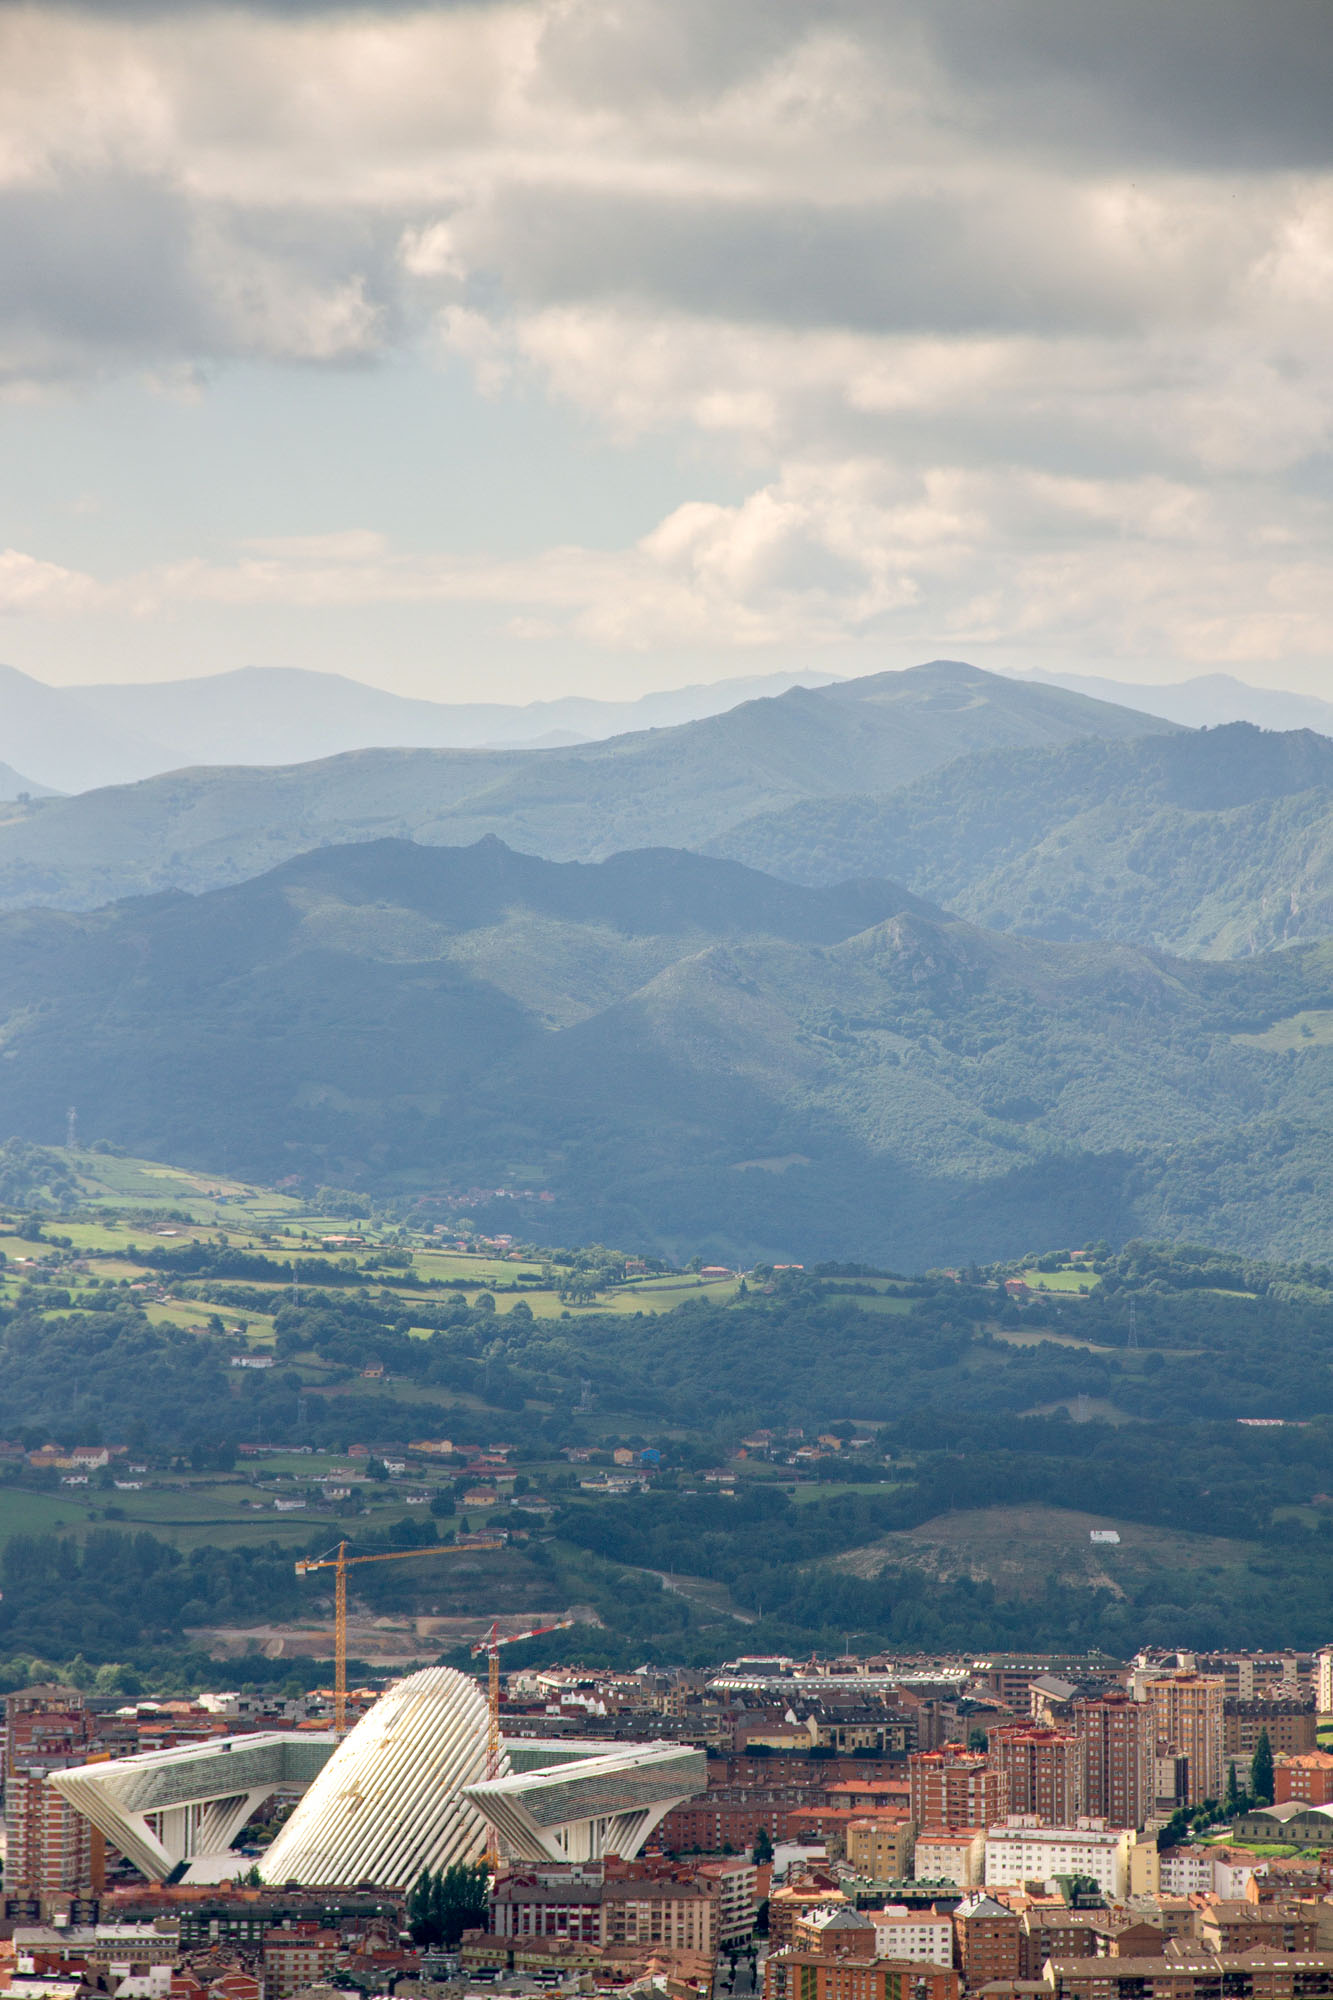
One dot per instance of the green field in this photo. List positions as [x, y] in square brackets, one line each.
[1310, 1029]
[1074, 1279]
[39, 1513]
[809, 1491]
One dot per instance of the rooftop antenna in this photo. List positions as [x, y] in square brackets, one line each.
[71, 1128]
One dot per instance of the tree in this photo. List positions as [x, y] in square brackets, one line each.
[1233, 1789]
[441, 1906]
[763, 1848]
[420, 1920]
[462, 1901]
[1261, 1771]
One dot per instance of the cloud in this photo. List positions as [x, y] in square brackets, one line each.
[951, 558]
[1015, 315]
[28, 584]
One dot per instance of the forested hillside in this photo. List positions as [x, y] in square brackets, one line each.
[1215, 842]
[683, 1051]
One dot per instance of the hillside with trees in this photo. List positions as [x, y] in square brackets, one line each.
[1213, 842]
[683, 1051]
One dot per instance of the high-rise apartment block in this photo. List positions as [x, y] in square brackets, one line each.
[953, 1787]
[1188, 1718]
[1116, 1737]
[49, 1846]
[1042, 1771]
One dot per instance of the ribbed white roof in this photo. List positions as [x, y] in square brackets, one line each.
[388, 1802]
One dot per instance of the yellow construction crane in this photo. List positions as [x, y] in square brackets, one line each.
[340, 1562]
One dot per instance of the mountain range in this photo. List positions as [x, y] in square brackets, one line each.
[13, 785]
[681, 786]
[75, 738]
[1202, 702]
[1215, 842]
[921, 966]
[682, 1052]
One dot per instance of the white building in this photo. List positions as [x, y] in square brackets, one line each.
[1188, 1871]
[1021, 1850]
[1232, 1876]
[942, 1855]
[1323, 1681]
[913, 1934]
[406, 1790]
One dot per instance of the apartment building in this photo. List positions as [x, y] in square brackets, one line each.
[296, 1959]
[951, 1787]
[943, 1855]
[1188, 1715]
[880, 1847]
[915, 1936]
[1238, 1925]
[1116, 1735]
[989, 1939]
[1253, 1976]
[1307, 1777]
[1022, 1850]
[1289, 1725]
[735, 1881]
[681, 1914]
[604, 1904]
[800, 1975]
[51, 1850]
[788, 1906]
[1323, 1680]
[1042, 1771]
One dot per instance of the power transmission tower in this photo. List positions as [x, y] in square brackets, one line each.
[1132, 1343]
[71, 1128]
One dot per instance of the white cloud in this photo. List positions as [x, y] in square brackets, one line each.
[29, 584]
[1010, 343]
[953, 557]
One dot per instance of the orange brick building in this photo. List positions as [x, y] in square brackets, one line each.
[988, 1941]
[1307, 1778]
[807, 1975]
[952, 1787]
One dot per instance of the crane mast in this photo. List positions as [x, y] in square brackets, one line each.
[490, 1646]
[340, 1562]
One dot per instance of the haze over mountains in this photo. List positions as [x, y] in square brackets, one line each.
[73, 738]
[682, 1052]
[675, 787]
[1204, 701]
[878, 970]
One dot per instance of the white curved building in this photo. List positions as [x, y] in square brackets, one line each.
[406, 1790]
[390, 1802]
[172, 1810]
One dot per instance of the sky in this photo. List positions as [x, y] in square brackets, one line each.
[500, 351]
